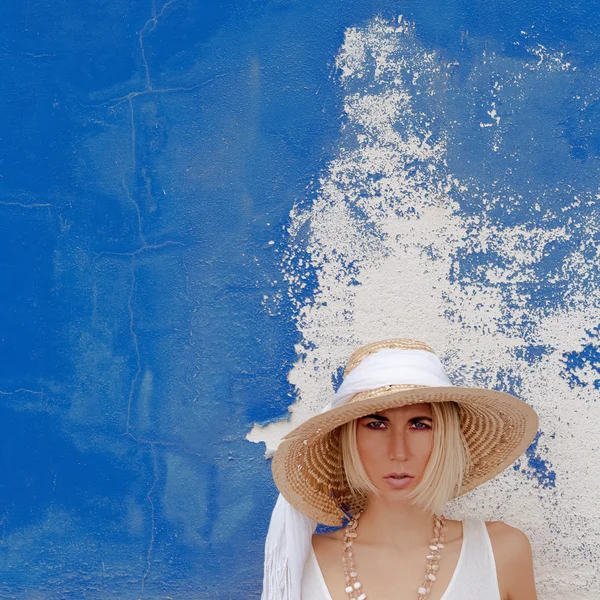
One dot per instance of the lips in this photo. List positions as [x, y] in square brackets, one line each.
[398, 481]
[398, 475]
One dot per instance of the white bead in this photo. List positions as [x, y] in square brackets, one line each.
[431, 576]
[357, 585]
[440, 545]
[349, 589]
[362, 597]
[422, 590]
[432, 547]
[353, 573]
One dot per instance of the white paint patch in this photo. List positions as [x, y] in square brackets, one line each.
[384, 237]
[554, 60]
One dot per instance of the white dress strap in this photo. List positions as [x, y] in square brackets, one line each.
[475, 577]
[313, 582]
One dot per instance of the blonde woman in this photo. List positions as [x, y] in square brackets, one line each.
[395, 444]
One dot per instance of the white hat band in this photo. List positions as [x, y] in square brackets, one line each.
[391, 366]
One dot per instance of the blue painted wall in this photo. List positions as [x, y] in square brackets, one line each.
[150, 155]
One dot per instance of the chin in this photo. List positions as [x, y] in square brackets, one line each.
[388, 492]
[395, 495]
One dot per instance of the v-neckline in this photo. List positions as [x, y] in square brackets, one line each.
[449, 587]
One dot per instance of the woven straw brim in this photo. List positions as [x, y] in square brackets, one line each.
[307, 466]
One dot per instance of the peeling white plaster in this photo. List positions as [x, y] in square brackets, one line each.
[390, 272]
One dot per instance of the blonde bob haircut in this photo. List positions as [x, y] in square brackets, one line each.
[442, 479]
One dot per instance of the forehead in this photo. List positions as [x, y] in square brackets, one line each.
[422, 409]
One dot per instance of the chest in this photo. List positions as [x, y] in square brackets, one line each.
[384, 575]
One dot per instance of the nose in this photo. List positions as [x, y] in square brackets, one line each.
[398, 445]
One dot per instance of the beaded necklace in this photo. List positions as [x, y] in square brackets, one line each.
[353, 585]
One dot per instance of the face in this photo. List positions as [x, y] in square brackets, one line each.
[396, 441]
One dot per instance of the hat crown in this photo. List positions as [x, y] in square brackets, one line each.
[396, 344]
[397, 364]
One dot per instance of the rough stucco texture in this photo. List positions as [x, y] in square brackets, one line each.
[456, 211]
[205, 206]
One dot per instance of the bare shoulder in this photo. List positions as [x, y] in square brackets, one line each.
[508, 540]
[328, 536]
[327, 547]
[323, 541]
[514, 561]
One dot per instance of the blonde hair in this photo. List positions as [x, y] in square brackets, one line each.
[442, 479]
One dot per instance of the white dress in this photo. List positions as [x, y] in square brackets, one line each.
[474, 577]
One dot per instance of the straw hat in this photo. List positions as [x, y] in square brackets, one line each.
[307, 466]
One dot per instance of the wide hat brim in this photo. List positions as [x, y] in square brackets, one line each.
[498, 427]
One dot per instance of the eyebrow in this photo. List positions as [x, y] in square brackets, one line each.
[411, 420]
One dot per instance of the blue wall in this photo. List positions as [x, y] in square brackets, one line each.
[150, 155]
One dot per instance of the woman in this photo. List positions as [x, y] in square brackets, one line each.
[396, 443]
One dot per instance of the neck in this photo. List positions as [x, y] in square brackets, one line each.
[396, 525]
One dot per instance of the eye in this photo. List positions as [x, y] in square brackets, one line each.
[368, 425]
[425, 425]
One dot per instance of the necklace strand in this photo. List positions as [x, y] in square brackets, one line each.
[353, 585]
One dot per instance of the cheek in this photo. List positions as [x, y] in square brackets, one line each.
[425, 445]
[372, 448]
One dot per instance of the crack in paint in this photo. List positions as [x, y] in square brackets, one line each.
[152, 22]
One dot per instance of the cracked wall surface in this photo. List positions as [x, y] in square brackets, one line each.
[433, 221]
[204, 207]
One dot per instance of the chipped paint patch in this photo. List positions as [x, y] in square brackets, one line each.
[498, 273]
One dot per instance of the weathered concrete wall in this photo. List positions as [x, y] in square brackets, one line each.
[458, 210]
[204, 206]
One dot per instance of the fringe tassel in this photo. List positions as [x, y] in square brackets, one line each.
[286, 549]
